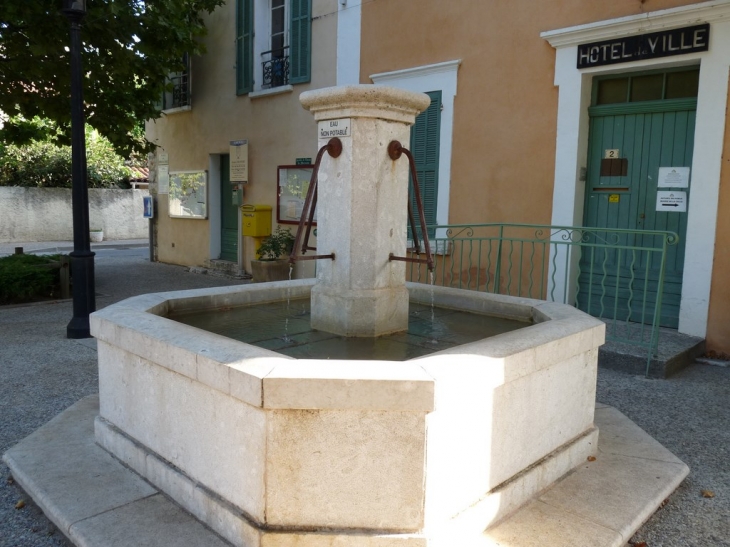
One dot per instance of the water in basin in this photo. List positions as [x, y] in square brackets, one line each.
[285, 329]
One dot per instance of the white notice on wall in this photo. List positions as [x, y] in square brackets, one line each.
[674, 177]
[239, 161]
[328, 129]
[671, 201]
[163, 179]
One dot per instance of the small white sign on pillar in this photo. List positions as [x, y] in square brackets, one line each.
[163, 179]
[671, 201]
[328, 129]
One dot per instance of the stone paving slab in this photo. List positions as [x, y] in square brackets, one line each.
[97, 502]
[675, 351]
[603, 502]
[91, 497]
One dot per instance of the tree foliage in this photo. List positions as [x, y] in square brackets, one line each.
[129, 47]
[45, 164]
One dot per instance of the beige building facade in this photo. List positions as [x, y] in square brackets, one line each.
[518, 111]
[196, 137]
[516, 117]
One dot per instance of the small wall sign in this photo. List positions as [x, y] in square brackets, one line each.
[163, 179]
[304, 161]
[675, 177]
[611, 153]
[334, 128]
[149, 207]
[671, 201]
[614, 198]
[239, 161]
[666, 43]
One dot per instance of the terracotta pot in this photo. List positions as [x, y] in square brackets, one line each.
[270, 270]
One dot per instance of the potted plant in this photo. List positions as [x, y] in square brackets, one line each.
[272, 262]
[96, 235]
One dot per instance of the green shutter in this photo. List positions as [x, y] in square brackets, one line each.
[425, 144]
[300, 41]
[244, 46]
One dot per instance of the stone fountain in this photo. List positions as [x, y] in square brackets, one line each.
[272, 451]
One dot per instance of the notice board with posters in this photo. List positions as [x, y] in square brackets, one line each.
[188, 196]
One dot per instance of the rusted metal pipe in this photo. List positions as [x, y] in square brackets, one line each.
[407, 259]
[395, 150]
[334, 149]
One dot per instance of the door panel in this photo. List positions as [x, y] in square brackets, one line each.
[657, 137]
[229, 214]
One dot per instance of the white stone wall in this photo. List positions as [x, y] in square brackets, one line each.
[44, 214]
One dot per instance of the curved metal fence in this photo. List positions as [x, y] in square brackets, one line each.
[617, 275]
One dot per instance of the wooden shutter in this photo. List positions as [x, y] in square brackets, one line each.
[425, 143]
[300, 41]
[244, 46]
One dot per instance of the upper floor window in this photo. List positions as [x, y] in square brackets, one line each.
[177, 89]
[275, 62]
[273, 43]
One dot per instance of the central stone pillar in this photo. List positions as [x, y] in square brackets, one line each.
[362, 208]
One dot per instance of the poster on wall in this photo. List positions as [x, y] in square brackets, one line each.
[671, 201]
[163, 179]
[673, 177]
[239, 161]
[188, 194]
[293, 185]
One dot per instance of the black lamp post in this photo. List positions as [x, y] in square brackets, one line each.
[82, 259]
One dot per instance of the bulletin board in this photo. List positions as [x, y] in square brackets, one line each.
[188, 196]
[293, 183]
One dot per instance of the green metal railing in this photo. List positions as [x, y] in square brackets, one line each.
[614, 274]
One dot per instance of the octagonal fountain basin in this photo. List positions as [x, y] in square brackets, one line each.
[269, 450]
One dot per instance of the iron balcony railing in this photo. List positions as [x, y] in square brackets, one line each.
[616, 275]
[275, 68]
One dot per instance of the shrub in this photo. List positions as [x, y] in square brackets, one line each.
[43, 164]
[276, 245]
[27, 277]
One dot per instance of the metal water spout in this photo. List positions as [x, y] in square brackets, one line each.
[334, 148]
[395, 150]
[301, 241]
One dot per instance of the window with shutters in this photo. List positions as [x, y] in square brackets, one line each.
[273, 43]
[425, 144]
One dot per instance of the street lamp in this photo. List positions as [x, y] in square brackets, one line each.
[82, 259]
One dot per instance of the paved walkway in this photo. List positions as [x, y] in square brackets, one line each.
[42, 373]
[50, 247]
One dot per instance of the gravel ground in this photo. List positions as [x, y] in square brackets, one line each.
[690, 415]
[42, 373]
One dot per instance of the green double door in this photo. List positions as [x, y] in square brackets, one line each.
[628, 143]
[229, 214]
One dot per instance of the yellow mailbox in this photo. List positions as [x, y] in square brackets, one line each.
[256, 220]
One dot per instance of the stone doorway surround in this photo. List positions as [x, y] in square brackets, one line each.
[572, 131]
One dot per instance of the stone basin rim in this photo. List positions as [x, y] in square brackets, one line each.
[268, 379]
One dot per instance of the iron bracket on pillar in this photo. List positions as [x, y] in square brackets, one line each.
[395, 150]
[334, 149]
